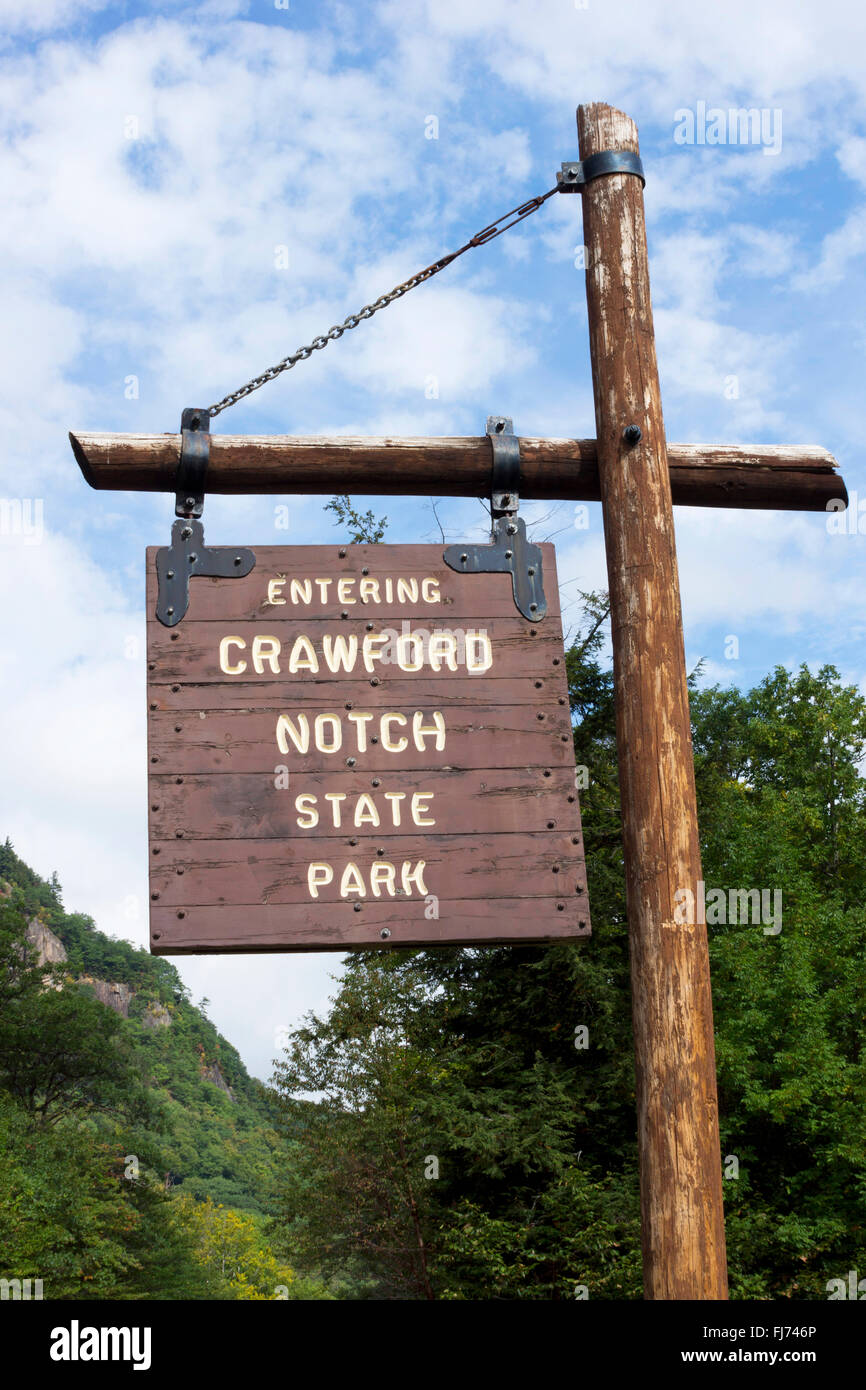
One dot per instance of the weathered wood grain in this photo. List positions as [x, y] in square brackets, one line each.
[476, 736]
[330, 927]
[398, 690]
[237, 806]
[678, 1133]
[214, 873]
[191, 651]
[788, 477]
[463, 596]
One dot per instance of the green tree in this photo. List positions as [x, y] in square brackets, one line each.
[354, 1196]
[363, 527]
[61, 1052]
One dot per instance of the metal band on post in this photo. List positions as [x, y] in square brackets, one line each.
[575, 174]
[505, 478]
[194, 458]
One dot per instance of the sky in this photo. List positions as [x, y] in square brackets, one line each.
[192, 191]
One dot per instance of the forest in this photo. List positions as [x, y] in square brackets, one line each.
[460, 1125]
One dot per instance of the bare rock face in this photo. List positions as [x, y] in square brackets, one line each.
[212, 1073]
[113, 994]
[156, 1016]
[49, 948]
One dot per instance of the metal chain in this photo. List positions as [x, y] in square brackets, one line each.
[488, 233]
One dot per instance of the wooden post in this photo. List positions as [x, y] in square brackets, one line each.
[678, 1133]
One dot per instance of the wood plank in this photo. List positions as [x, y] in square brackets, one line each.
[329, 927]
[530, 735]
[401, 691]
[190, 652]
[237, 806]
[213, 873]
[787, 477]
[461, 596]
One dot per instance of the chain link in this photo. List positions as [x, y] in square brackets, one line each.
[488, 233]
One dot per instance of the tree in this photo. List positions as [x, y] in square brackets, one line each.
[61, 1052]
[233, 1254]
[364, 529]
[354, 1195]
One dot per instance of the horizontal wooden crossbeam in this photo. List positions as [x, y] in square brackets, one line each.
[783, 477]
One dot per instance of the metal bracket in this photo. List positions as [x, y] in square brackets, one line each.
[505, 479]
[575, 174]
[188, 554]
[510, 552]
[194, 458]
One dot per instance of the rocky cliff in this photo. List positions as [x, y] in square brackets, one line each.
[114, 995]
[211, 1072]
[49, 948]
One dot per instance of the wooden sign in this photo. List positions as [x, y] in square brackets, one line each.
[352, 747]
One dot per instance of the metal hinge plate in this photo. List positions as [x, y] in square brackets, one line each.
[510, 552]
[188, 555]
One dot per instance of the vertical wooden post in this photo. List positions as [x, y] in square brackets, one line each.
[678, 1133]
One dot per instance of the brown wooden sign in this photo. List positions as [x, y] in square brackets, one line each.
[352, 747]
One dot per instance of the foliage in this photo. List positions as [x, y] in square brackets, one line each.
[104, 1120]
[353, 1187]
[364, 529]
[69, 1217]
[236, 1264]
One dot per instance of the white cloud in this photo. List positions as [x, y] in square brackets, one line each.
[45, 16]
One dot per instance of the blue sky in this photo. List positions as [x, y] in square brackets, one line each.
[155, 156]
